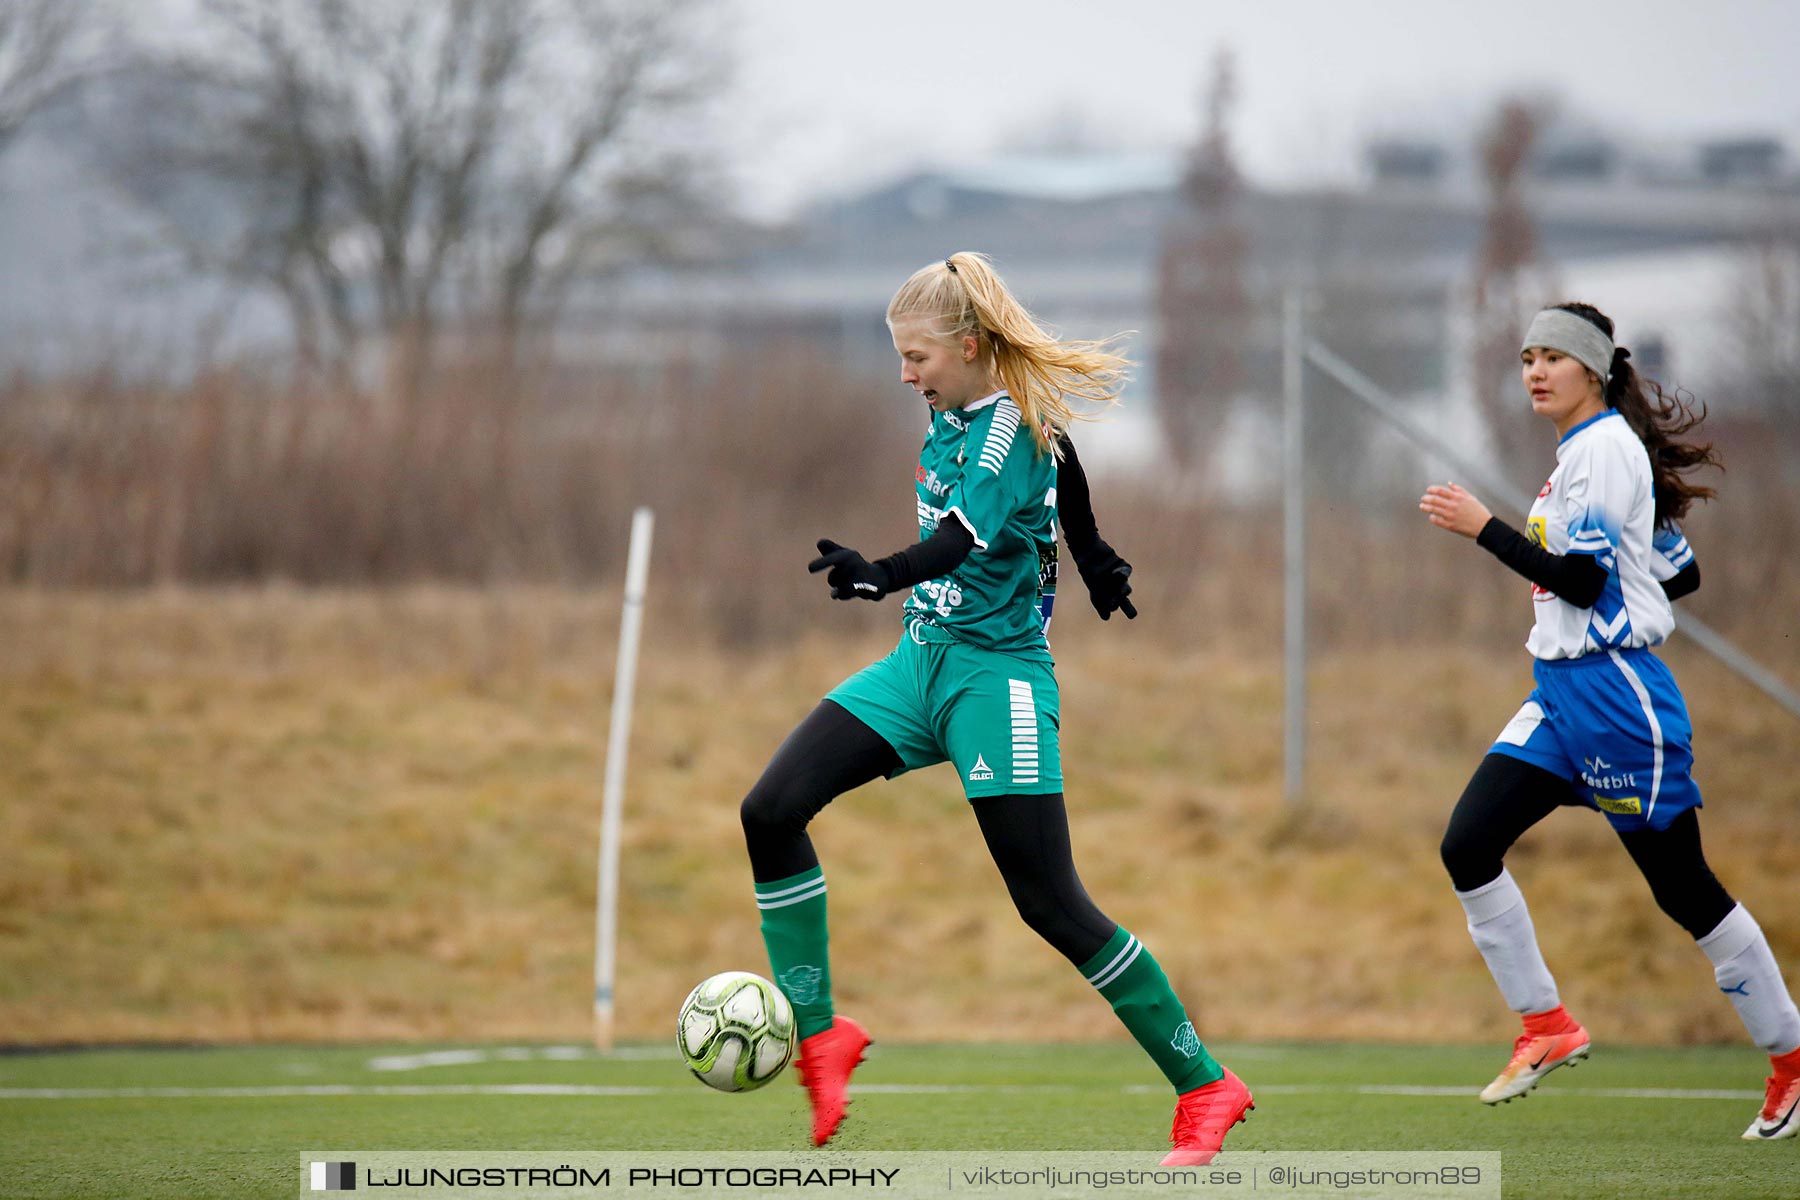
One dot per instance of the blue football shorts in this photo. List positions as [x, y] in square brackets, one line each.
[1612, 723]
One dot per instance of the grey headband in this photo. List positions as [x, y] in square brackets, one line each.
[1580, 339]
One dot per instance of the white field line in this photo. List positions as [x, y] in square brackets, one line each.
[458, 1058]
[880, 1089]
[1378, 1089]
[427, 1059]
[327, 1089]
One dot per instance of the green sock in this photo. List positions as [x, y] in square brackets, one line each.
[793, 928]
[1132, 982]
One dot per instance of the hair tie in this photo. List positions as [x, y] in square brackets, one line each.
[1620, 354]
[950, 265]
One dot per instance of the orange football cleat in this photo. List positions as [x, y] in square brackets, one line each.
[1536, 1054]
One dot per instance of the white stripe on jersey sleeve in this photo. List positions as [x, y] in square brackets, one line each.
[1669, 553]
[975, 533]
[1589, 543]
[1000, 435]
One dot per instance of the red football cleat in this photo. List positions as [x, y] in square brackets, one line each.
[826, 1060]
[1203, 1117]
[1780, 1113]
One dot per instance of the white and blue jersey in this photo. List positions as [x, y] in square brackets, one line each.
[1606, 714]
[1599, 502]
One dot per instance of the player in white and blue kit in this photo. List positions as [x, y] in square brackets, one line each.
[1606, 725]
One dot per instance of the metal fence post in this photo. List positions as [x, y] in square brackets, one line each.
[1293, 512]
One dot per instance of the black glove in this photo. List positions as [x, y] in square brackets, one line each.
[1108, 579]
[851, 575]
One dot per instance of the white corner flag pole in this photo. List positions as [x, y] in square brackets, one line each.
[606, 917]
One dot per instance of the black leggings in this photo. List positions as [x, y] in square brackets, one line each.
[1507, 796]
[832, 752]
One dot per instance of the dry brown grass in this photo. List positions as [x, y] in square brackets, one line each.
[235, 478]
[280, 814]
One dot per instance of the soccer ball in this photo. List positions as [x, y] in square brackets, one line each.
[736, 1031]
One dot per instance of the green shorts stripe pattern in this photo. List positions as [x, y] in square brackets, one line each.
[1024, 731]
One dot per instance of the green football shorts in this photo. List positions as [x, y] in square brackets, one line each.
[934, 699]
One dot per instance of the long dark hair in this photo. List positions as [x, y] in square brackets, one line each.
[1659, 418]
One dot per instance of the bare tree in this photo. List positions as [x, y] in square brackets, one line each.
[1202, 299]
[41, 57]
[1764, 316]
[1503, 276]
[1754, 403]
[392, 168]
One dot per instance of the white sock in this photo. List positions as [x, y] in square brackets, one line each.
[1745, 968]
[1501, 926]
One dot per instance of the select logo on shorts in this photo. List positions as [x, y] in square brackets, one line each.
[980, 771]
[1624, 806]
[334, 1177]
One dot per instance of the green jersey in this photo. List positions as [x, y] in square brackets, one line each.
[979, 467]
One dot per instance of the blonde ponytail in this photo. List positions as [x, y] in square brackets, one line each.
[964, 296]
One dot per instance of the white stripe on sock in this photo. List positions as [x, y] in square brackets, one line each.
[1124, 958]
[815, 881]
[817, 889]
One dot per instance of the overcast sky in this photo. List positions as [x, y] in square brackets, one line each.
[832, 94]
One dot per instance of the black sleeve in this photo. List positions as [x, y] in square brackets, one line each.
[937, 555]
[1684, 582]
[1074, 504]
[1577, 578]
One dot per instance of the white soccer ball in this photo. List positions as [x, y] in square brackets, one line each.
[736, 1031]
